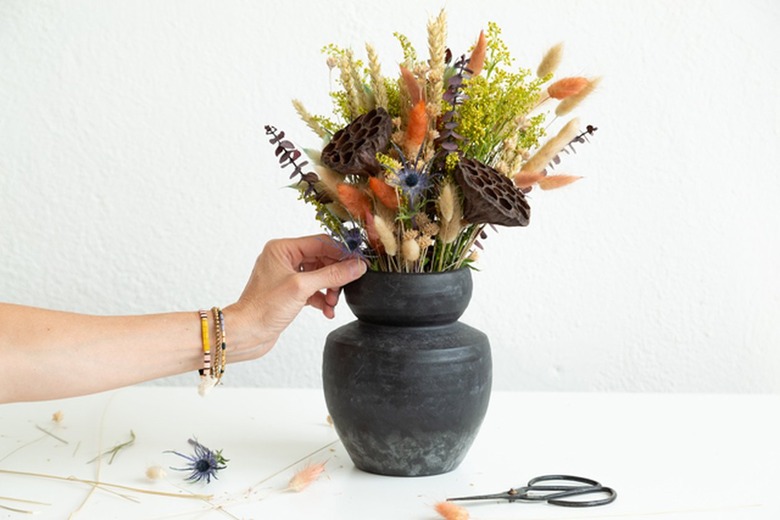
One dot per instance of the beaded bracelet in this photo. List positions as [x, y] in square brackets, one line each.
[204, 337]
[207, 380]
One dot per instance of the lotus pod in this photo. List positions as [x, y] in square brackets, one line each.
[489, 197]
[353, 149]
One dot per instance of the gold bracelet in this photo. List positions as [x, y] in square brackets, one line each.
[219, 350]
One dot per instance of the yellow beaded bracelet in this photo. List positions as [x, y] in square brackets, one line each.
[207, 379]
[205, 341]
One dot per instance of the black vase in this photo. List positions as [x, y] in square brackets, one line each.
[407, 385]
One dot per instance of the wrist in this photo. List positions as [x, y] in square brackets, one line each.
[248, 338]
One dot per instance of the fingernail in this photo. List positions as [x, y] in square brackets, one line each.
[359, 267]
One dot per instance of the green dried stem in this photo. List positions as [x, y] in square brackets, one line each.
[116, 449]
[410, 54]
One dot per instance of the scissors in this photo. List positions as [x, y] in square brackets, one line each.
[558, 493]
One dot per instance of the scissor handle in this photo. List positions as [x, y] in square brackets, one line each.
[564, 491]
[558, 500]
[564, 478]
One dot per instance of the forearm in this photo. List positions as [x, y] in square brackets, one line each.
[49, 354]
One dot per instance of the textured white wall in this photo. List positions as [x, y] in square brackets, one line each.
[135, 177]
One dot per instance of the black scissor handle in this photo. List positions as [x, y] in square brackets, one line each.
[562, 492]
[564, 478]
[559, 499]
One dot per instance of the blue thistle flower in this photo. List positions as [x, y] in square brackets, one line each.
[352, 239]
[203, 464]
[411, 181]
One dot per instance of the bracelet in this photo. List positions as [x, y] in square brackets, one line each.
[204, 337]
[207, 380]
[220, 354]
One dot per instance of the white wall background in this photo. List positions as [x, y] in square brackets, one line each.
[135, 177]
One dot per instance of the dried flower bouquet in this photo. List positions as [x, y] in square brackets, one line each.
[415, 166]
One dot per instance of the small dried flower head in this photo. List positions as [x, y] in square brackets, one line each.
[552, 182]
[527, 179]
[421, 219]
[410, 249]
[328, 180]
[550, 61]
[155, 473]
[567, 87]
[386, 235]
[354, 200]
[570, 103]
[539, 161]
[203, 463]
[477, 59]
[383, 192]
[424, 241]
[447, 202]
[305, 477]
[430, 229]
[57, 416]
[411, 84]
[450, 511]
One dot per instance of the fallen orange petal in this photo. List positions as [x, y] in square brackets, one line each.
[451, 511]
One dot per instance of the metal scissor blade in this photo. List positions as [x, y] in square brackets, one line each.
[511, 495]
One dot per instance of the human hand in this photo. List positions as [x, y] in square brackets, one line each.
[288, 275]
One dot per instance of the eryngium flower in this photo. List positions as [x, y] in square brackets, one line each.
[203, 463]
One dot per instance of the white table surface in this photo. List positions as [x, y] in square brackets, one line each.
[668, 456]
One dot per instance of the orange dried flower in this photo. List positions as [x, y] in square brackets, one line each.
[526, 180]
[567, 87]
[412, 86]
[568, 104]
[354, 200]
[385, 193]
[557, 181]
[451, 511]
[417, 126]
[477, 58]
[305, 477]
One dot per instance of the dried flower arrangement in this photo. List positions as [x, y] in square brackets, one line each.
[415, 167]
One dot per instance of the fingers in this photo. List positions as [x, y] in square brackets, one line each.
[338, 274]
[334, 275]
[324, 302]
[313, 248]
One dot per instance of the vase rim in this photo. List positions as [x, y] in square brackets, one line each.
[451, 271]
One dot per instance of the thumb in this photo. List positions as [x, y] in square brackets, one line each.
[336, 275]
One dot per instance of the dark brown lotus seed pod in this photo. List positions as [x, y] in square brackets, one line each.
[353, 149]
[489, 197]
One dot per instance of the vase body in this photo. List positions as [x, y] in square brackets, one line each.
[407, 385]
